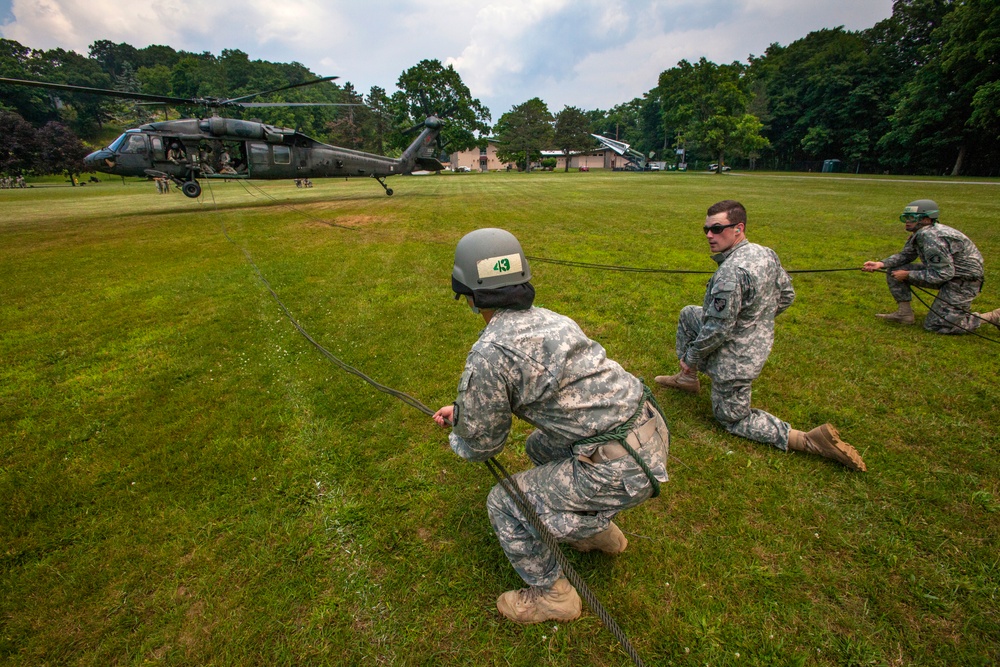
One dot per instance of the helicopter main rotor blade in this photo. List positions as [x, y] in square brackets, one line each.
[294, 104]
[235, 100]
[101, 91]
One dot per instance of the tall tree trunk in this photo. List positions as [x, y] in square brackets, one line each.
[566, 153]
[957, 169]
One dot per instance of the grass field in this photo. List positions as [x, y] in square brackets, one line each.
[184, 480]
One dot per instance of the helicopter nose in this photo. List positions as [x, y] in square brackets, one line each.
[101, 160]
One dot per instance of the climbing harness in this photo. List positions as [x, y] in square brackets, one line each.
[620, 433]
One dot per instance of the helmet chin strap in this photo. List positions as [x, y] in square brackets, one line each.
[472, 304]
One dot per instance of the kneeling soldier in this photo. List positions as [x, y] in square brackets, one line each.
[601, 443]
[950, 263]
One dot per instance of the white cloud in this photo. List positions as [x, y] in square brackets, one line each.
[586, 53]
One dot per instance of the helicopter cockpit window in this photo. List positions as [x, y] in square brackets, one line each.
[282, 155]
[136, 143]
[114, 145]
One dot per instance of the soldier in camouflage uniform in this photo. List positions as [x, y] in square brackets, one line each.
[950, 263]
[729, 338]
[540, 366]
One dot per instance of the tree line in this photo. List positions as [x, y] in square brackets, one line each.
[919, 92]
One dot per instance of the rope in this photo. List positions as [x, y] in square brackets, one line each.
[637, 269]
[937, 297]
[943, 318]
[508, 484]
[506, 481]
[277, 201]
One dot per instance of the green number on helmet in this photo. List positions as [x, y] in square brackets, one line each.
[502, 265]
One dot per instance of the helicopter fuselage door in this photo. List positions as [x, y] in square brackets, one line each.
[133, 155]
[271, 160]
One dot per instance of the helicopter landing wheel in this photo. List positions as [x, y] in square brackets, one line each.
[191, 189]
[388, 191]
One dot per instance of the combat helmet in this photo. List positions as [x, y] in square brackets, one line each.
[490, 266]
[488, 258]
[921, 208]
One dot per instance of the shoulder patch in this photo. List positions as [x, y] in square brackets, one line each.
[719, 304]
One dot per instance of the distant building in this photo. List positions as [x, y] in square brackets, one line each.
[478, 159]
[599, 158]
[485, 159]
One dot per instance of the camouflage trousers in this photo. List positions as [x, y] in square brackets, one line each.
[951, 312]
[575, 499]
[731, 398]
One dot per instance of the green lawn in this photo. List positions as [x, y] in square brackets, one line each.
[184, 480]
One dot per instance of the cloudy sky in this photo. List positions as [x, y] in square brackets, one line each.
[593, 54]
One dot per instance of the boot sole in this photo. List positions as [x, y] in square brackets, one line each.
[832, 439]
[689, 388]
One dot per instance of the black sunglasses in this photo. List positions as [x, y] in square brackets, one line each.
[717, 228]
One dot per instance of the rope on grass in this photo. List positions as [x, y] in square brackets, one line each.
[639, 269]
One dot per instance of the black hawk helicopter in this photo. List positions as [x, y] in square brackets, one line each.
[190, 149]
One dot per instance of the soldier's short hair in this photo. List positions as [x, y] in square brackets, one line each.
[735, 211]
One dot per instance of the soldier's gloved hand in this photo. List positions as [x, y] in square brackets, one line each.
[444, 416]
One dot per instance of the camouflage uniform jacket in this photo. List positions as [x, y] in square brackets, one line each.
[540, 366]
[946, 253]
[747, 291]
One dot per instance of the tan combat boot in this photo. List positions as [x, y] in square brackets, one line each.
[561, 602]
[903, 314]
[993, 317]
[610, 541]
[684, 381]
[825, 441]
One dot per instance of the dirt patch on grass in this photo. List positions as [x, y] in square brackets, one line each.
[194, 630]
[352, 221]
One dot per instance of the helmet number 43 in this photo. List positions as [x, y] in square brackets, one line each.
[498, 266]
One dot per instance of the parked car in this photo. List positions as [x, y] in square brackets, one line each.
[715, 167]
[464, 169]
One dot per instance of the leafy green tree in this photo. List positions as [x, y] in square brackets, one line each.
[707, 104]
[523, 131]
[430, 88]
[572, 132]
[346, 130]
[114, 58]
[378, 103]
[970, 60]
[123, 111]
[20, 62]
[154, 80]
[926, 127]
[821, 95]
[156, 54]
